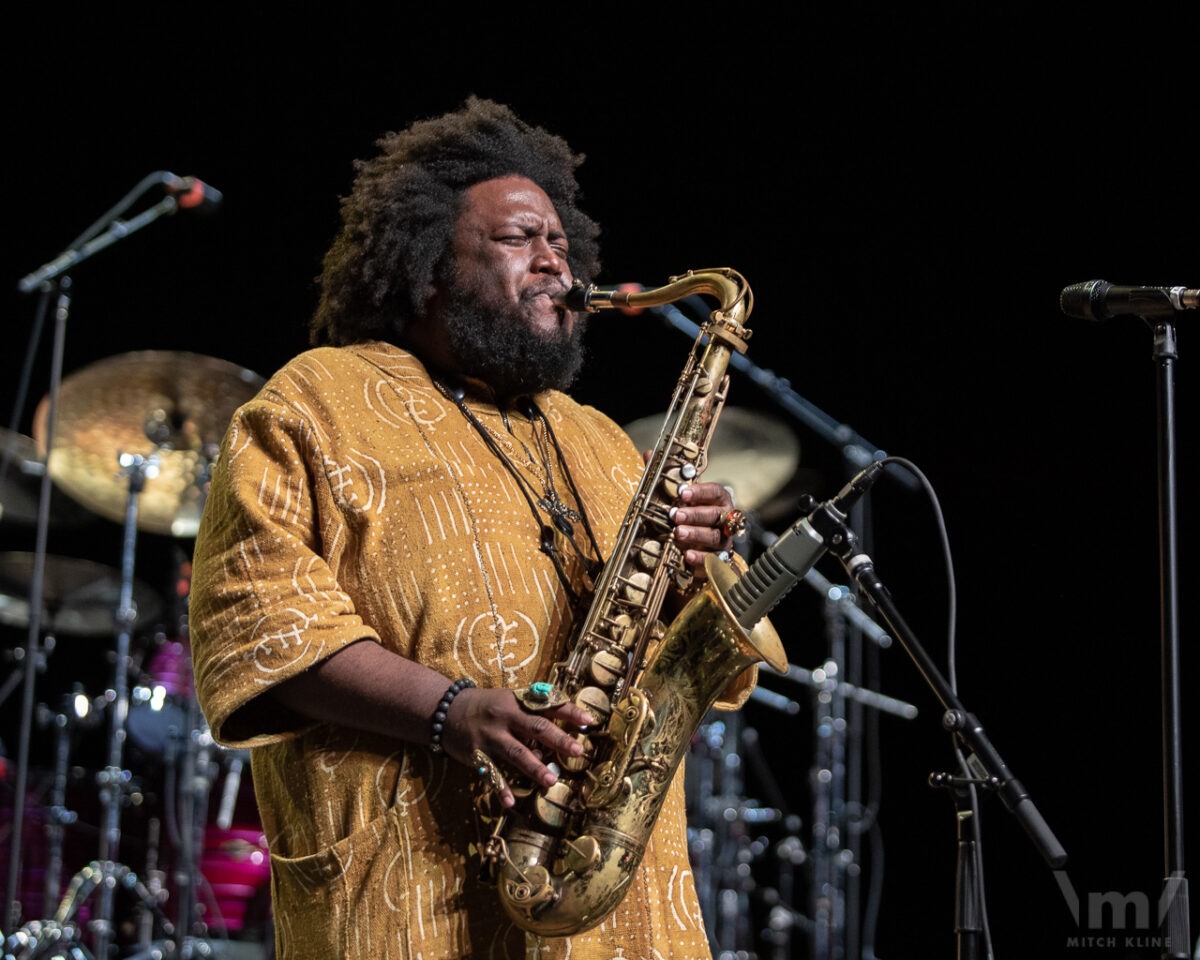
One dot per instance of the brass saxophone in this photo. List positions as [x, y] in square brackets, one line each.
[564, 856]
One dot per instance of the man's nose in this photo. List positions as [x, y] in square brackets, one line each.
[546, 260]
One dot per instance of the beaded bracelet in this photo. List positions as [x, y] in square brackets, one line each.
[443, 708]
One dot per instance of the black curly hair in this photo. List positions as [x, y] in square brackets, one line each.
[398, 221]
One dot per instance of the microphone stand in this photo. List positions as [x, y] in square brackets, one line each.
[12, 903]
[84, 247]
[983, 760]
[1174, 922]
[855, 449]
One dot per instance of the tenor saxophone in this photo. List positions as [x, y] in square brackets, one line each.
[563, 857]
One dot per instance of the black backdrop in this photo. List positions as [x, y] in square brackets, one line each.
[907, 193]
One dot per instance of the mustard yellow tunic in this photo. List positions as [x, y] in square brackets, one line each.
[352, 500]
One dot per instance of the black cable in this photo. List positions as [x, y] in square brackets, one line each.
[547, 542]
[952, 672]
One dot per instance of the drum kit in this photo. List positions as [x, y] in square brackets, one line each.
[134, 439]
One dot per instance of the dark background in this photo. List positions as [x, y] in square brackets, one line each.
[907, 193]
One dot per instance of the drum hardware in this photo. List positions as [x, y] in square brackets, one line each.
[172, 406]
[722, 831]
[172, 507]
[830, 859]
[21, 470]
[75, 712]
[78, 596]
[16, 656]
[753, 454]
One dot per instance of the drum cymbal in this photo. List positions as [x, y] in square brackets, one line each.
[752, 453]
[20, 486]
[172, 404]
[79, 596]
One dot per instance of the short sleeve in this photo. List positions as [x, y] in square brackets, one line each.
[265, 603]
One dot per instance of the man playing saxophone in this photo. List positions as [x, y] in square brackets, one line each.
[400, 529]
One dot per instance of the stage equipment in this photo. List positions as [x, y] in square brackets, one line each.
[1157, 306]
[53, 283]
[78, 596]
[982, 765]
[171, 408]
[1101, 300]
[754, 454]
[20, 476]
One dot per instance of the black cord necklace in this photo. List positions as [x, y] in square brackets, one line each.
[562, 516]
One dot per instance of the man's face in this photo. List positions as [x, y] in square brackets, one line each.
[510, 255]
[510, 248]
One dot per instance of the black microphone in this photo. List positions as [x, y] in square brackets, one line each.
[788, 559]
[192, 193]
[1101, 300]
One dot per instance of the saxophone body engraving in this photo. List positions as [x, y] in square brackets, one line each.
[564, 857]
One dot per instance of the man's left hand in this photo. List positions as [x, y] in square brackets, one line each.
[703, 509]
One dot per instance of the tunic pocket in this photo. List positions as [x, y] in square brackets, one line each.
[349, 900]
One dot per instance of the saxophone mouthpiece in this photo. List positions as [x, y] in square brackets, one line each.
[588, 298]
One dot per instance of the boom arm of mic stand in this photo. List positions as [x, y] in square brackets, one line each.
[117, 230]
[957, 720]
[854, 447]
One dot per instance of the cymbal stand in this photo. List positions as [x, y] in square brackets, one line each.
[1176, 923]
[720, 846]
[829, 860]
[33, 653]
[196, 775]
[114, 777]
[827, 780]
[74, 712]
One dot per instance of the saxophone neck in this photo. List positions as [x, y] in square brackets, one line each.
[725, 284]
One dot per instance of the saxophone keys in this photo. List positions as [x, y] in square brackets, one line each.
[576, 764]
[595, 701]
[648, 553]
[552, 804]
[606, 666]
[637, 587]
[535, 891]
[582, 856]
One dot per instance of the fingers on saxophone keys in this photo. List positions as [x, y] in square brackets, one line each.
[520, 757]
[698, 516]
[544, 732]
[706, 538]
[693, 494]
[573, 714]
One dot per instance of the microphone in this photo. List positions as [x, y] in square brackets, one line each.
[192, 193]
[789, 558]
[1101, 300]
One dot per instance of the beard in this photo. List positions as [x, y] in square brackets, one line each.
[498, 345]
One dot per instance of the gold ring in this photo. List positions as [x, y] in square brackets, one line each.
[733, 523]
[488, 771]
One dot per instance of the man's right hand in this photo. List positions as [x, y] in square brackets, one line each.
[367, 687]
[494, 722]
